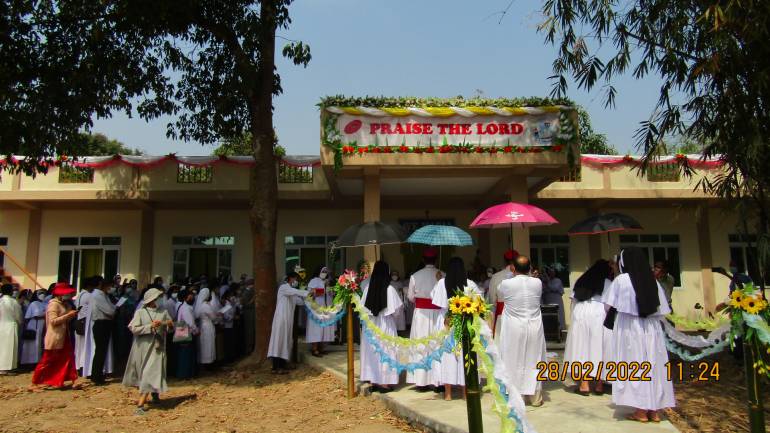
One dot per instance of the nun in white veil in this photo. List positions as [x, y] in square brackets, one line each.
[206, 314]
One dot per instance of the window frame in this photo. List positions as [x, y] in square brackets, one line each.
[660, 243]
[553, 242]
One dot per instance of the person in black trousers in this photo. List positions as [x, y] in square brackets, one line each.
[102, 314]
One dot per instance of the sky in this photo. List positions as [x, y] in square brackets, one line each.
[438, 48]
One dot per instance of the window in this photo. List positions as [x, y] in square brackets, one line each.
[551, 251]
[189, 174]
[87, 256]
[193, 256]
[657, 248]
[574, 175]
[3, 243]
[743, 252]
[311, 252]
[291, 174]
[663, 173]
[71, 174]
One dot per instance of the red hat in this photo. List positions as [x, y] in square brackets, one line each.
[62, 289]
[511, 255]
[429, 253]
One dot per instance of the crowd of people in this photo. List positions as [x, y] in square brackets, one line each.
[112, 328]
[616, 308]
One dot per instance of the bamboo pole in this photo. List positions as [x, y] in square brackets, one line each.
[21, 268]
[473, 393]
[351, 360]
[756, 411]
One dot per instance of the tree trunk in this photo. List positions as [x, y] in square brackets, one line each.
[263, 212]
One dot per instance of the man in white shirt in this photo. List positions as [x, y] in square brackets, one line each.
[102, 314]
[521, 339]
[426, 318]
[494, 283]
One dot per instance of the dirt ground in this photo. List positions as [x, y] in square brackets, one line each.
[306, 400]
[718, 407]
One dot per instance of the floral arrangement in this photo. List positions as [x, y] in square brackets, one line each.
[749, 315]
[463, 307]
[347, 285]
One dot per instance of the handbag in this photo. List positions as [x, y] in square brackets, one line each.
[609, 319]
[29, 334]
[80, 326]
[182, 333]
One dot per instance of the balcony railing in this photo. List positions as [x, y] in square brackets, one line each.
[291, 174]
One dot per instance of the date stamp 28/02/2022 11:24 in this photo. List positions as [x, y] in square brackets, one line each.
[626, 371]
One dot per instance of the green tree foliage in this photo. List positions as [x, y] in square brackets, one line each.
[591, 141]
[714, 63]
[100, 145]
[210, 64]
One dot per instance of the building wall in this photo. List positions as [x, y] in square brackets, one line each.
[117, 177]
[14, 225]
[65, 223]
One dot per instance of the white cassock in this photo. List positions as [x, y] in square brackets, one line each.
[10, 323]
[206, 314]
[639, 339]
[83, 304]
[588, 340]
[35, 317]
[554, 294]
[426, 319]
[372, 368]
[322, 296]
[283, 321]
[89, 344]
[493, 295]
[521, 339]
[401, 315]
[451, 369]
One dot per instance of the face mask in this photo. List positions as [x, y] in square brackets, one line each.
[294, 284]
[174, 295]
[733, 270]
[41, 296]
[394, 278]
[323, 275]
[490, 274]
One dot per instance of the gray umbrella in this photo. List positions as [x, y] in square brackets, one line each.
[370, 234]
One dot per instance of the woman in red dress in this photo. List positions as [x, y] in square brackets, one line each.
[58, 362]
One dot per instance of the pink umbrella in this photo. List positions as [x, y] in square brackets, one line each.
[513, 215]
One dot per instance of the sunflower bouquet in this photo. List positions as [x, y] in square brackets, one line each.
[749, 316]
[347, 285]
[462, 309]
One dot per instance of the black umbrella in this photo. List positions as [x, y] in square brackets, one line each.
[605, 223]
[374, 233]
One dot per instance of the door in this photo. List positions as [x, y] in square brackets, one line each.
[90, 263]
[203, 261]
[311, 259]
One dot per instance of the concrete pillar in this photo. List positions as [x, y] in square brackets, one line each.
[371, 206]
[520, 194]
[33, 246]
[704, 251]
[146, 246]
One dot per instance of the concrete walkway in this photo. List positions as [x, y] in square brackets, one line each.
[563, 411]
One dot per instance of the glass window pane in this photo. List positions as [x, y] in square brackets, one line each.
[203, 240]
[65, 266]
[292, 259]
[89, 241]
[224, 240]
[315, 240]
[3, 241]
[649, 238]
[548, 256]
[752, 264]
[111, 241]
[658, 254]
[560, 239]
[562, 265]
[180, 271]
[673, 265]
[110, 263]
[76, 269]
[180, 255]
[736, 256]
[631, 239]
[68, 241]
[669, 238]
[534, 256]
[181, 240]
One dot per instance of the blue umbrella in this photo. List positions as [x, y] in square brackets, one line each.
[440, 235]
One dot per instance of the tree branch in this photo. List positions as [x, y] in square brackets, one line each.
[657, 45]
